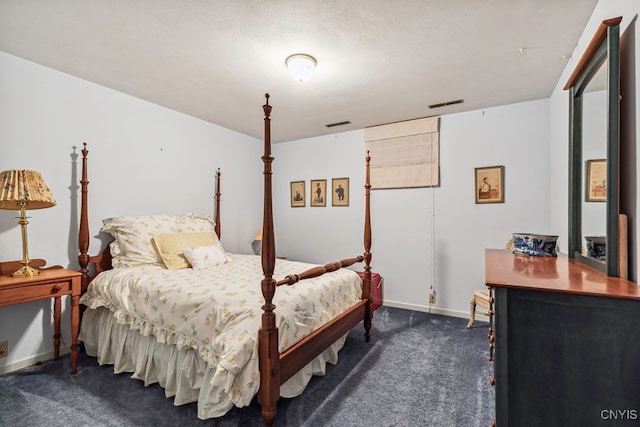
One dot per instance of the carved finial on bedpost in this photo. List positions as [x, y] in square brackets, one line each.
[83, 233]
[366, 285]
[266, 107]
[269, 356]
[218, 228]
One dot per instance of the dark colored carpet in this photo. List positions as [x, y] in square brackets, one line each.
[419, 369]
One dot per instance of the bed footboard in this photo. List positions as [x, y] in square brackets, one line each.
[276, 368]
[304, 351]
[318, 271]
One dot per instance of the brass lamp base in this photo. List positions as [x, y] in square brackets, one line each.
[26, 271]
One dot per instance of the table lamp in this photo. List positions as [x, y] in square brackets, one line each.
[256, 243]
[21, 190]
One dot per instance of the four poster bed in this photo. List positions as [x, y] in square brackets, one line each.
[199, 326]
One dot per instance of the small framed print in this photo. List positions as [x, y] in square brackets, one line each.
[340, 192]
[596, 180]
[490, 184]
[318, 192]
[298, 199]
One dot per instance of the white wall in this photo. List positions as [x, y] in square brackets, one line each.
[143, 159]
[410, 225]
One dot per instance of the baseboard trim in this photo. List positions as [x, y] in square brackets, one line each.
[435, 310]
[30, 361]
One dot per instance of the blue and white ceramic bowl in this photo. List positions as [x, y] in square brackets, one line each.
[534, 244]
[597, 247]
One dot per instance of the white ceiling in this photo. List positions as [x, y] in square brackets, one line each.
[379, 61]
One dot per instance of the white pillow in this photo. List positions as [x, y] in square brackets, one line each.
[202, 257]
[133, 234]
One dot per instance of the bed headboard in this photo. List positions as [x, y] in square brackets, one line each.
[102, 261]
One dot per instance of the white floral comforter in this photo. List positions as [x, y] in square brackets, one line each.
[217, 312]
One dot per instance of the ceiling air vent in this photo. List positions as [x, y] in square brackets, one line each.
[444, 104]
[331, 125]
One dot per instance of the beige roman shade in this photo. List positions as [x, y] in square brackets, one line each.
[404, 154]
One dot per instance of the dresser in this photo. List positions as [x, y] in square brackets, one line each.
[51, 283]
[565, 342]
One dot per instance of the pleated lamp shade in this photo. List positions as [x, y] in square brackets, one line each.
[18, 187]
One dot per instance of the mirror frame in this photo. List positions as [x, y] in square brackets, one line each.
[603, 46]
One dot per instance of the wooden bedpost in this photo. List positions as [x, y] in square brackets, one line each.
[218, 228]
[366, 283]
[83, 233]
[269, 392]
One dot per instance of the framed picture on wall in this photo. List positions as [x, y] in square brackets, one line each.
[340, 192]
[490, 184]
[298, 199]
[318, 192]
[596, 180]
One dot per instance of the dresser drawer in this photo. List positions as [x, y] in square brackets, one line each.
[18, 294]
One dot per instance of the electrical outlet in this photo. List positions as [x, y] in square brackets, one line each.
[4, 349]
[432, 297]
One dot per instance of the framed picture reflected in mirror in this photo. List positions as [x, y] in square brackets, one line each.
[596, 180]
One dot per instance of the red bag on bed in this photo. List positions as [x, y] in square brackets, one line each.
[376, 289]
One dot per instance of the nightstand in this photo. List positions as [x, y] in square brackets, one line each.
[53, 282]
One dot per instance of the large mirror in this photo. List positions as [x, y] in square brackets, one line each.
[593, 153]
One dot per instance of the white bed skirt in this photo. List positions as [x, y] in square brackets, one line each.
[182, 374]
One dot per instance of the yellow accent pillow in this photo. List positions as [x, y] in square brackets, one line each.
[170, 246]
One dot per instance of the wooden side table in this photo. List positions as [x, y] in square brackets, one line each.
[50, 283]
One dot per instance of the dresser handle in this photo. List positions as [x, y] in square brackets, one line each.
[56, 289]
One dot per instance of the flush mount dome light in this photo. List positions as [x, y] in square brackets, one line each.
[300, 66]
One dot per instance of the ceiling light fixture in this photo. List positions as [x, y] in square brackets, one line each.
[300, 66]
